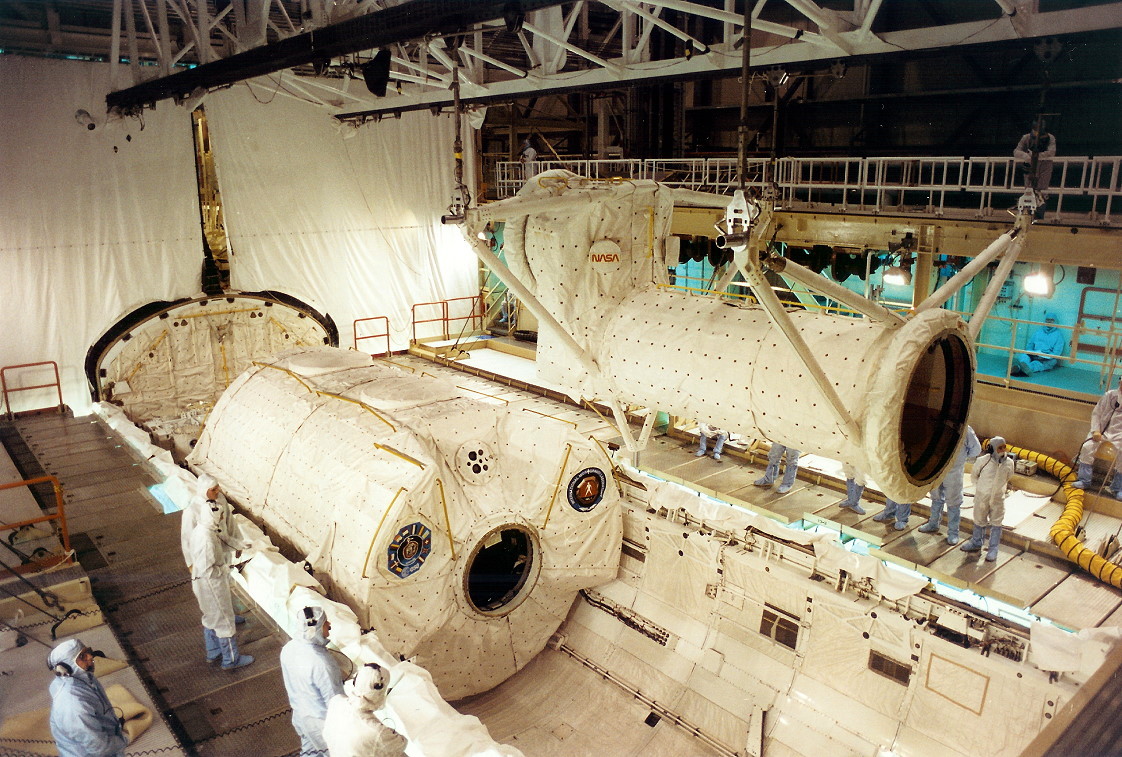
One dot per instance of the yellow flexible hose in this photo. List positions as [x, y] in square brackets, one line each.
[1062, 532]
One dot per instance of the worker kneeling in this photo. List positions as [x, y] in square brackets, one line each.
[352, 729]
[311, 679]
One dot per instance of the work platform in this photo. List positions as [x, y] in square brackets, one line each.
[1030, 572]
[129, 557]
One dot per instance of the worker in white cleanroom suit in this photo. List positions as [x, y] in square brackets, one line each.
[351, 728]
[83, 722]
[1045, 343]
[1106, 425]
[705, 432]
[991, 474]
[212, 549]
[950, 491]
[206, 492]
[854, 488]
[774, 456]
[900, 512]
[311, 678]
[206, 489]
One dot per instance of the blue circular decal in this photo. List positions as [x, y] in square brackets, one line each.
[409, 549]
[587, 488]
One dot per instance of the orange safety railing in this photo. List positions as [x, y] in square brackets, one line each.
[381, 334]
[442, 318]
[6, 390]
[60, 516]
[474, 317]
[476, 312]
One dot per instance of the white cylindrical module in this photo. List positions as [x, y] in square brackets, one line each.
[592, 256]
[907, 388]
[458, 530]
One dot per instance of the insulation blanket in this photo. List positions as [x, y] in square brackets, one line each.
[414, 706]
[592, 257]
[412, 500]
[1053, 648]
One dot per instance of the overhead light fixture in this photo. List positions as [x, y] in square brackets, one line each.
[897, 275]
[776, 76]
[376, 73]
[1041, 282]
[901, 274]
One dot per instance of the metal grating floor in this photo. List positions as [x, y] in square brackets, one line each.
[131, 552]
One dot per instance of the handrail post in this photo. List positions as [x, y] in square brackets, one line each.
[60, 505]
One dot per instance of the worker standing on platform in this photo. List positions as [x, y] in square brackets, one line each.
[1106, 425]
[1034, 153]
[854, 488]
[529, 157]
[895, 510]
[950, 491]
[311, 678]
[83, 721]
[774, 457]
[212, 548]
[351, 728]
[991, 474]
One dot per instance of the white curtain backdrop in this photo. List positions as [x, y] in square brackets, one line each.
[349, 225]
[92, 223]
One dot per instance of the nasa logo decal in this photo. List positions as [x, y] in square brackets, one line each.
[409, 549]
[586, 489]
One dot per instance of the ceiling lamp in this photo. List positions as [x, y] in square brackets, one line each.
[1041, 282]
[900, 275]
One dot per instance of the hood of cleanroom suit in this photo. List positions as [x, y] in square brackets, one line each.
[311, 621]
[404, 488]
[67, 652]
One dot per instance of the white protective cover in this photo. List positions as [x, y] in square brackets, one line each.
[338, 463]
[175, 365]
[597, 264]
[347, 221]
[93, 224]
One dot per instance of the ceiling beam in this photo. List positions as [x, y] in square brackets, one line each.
[409, 20]
[721, 61]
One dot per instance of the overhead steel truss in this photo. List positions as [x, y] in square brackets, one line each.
[507, 50]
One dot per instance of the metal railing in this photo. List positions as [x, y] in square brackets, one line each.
[1085, 188]
[57, 384]
[59, 515]
[385, 321]
[1093, 373]
[473, 317]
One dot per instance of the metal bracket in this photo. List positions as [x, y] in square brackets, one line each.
[747, 260]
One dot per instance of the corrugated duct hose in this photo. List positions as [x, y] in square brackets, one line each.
[1063, 530]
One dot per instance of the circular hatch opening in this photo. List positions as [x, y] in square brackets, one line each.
[936, 406]
[499, 568]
